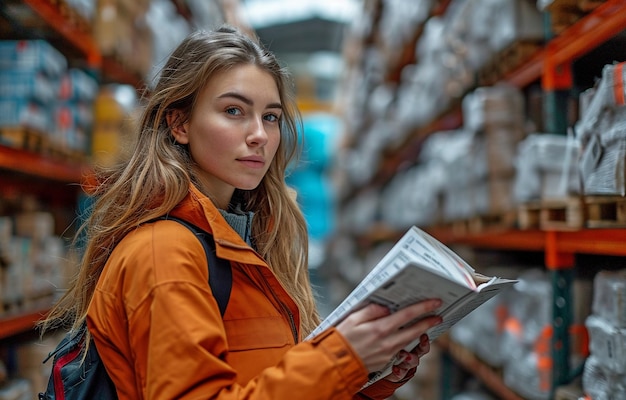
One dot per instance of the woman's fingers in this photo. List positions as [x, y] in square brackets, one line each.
[378, 335]
[369, 313]
[409, 360]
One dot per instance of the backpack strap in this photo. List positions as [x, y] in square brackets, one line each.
[220, 272]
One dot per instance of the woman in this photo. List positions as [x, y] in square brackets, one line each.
[216, 136]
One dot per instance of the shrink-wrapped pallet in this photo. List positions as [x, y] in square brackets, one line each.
[546, 167]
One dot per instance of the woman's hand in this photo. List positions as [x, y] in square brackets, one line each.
[376, 335]
[409, 360]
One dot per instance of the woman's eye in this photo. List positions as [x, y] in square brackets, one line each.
[271, 117]
[233, 111]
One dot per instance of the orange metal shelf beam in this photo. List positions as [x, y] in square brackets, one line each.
[589, 32]
[81, 40]
[40, 166]
[21, 323]
[527, 240]
[528, 72]
[610, 242]
[602, 24]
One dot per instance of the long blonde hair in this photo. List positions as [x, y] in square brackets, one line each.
[158, 173]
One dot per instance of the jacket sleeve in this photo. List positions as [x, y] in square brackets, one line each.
[383, 389]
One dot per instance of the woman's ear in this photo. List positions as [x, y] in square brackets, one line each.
[175, 121]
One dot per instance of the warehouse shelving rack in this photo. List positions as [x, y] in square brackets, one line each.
[23, 167]
[551, 66]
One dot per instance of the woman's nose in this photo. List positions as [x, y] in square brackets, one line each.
[257, 134]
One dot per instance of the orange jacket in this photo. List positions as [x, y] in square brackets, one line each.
[160, 334]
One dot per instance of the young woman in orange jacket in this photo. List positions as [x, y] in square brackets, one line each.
[214, 141]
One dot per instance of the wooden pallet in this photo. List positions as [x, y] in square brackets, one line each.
[605, 211]
[564, 13]
[71, 16]
[483, 223]
[22, 138]
[13, 307]
[507, 60]
[589, 5]
[555, 214]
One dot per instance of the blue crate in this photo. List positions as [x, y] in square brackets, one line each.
[77, 85]
[24, 113]
[27, 84]
[37, 55]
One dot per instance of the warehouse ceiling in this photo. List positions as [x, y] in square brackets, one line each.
[304, 36]
[299, 32]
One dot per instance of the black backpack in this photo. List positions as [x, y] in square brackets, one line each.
[73, 378]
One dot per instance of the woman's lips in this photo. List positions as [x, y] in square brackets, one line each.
[252, 161]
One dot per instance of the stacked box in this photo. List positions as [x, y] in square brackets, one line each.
[29, 76]
[16, 274]
[34, 262]
[604, 375]
[481, 177]
[73, 114]
[120, 31]
[602, 134]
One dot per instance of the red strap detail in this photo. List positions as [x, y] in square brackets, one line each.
[59, 392]
[618, 85]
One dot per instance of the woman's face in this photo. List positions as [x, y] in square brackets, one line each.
[233, 132]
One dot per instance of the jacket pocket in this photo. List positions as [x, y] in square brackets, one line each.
[257, 333]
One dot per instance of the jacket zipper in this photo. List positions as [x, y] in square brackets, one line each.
[292, 323]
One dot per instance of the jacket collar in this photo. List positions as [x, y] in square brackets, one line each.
[198, 209]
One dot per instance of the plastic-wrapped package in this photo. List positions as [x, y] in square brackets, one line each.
[481, 331]
[498, 105]
[77, 85]
[399, 20]
[421, 95]
[168, 29]
[22, 112]
[609, 298]
[546, 167]
[604, 375]
[527, 336]
[27, 84]
[32, 55]
[598, 105]
[361, 213]
[603, 167]
[411, 198]
[607, 343]
[510, 21]
[600, 384]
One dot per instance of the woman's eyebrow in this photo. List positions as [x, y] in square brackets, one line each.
[246, 100]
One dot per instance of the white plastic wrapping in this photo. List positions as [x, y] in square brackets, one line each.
[546, 167]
